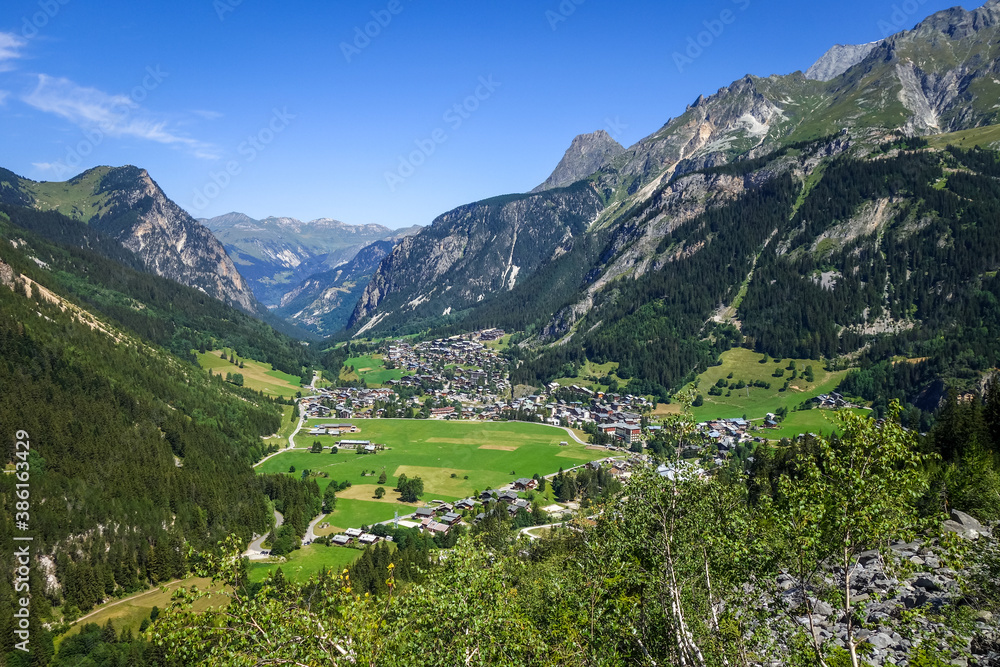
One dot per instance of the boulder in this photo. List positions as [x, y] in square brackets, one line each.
[968, 522]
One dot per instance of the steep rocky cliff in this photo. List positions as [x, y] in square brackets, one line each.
[475, 252]
[587, 154]
[126, 204]
[838, 60]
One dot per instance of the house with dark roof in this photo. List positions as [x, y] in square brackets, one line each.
[525, 484]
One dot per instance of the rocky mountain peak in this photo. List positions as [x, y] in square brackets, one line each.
[959, 23]
[587, 154]
[838, 60]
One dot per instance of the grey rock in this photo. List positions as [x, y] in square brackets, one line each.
[928, 584]
[838, 60]
[587, 154]
[822, 608]
[960, 530]
[969, 522]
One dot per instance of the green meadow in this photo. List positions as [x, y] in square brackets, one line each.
[371, 369]
[442, 453]
[307, 561]
[755, 402]
[256, 375]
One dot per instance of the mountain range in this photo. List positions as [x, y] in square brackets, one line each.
[608, 218]
[277, 254]
[942, 76]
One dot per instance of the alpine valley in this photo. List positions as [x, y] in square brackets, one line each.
[195, 411]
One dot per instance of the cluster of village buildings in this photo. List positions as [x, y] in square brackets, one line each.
[439, 517]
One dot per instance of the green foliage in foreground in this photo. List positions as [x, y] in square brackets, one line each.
[660, 576]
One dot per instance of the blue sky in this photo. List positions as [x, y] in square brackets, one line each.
[384, 111]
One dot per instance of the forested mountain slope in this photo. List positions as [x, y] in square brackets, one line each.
[938, 77]
[133, 451]
[97, 270]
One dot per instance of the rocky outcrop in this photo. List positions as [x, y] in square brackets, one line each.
[838, 60]
[909, 576]
[323, 303]
[137, 213]
[587, 154]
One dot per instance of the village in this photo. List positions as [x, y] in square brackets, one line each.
[438, 517]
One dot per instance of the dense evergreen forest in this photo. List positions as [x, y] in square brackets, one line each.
[892, 255]
[109, 279]
[135, 454]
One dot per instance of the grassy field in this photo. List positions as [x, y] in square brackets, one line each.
[588, 375]
[489, 453]
[820, 422]
[978, 136]
[288, 422]
[129, 613]
[371, 369]
[256, 375]
[307, 561]
[745, 365]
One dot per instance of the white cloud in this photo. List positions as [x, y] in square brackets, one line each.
[10, 49]
[4, 94]
[48, 166]
[112, 115]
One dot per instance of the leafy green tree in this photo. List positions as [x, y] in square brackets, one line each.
[843, 497]
[330, 498]
[379, 492]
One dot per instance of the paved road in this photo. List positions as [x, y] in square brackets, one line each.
[524, 531]
[256, 549]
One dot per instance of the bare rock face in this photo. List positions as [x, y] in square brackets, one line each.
[171, 243]
[587, 154]
[475, 252]
[838, 60]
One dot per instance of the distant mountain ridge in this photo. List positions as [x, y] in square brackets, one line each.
[276, 254]
[323, 302]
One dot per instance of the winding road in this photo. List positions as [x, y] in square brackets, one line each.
[256, 549]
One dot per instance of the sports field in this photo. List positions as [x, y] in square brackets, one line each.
[442, 453]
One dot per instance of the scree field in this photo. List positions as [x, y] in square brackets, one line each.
[454, 459]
